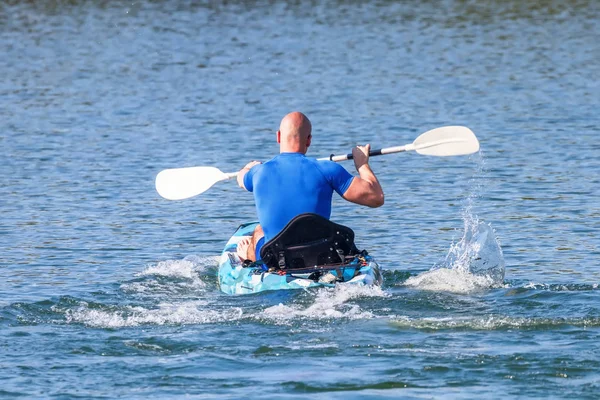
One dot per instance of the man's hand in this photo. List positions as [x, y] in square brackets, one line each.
[250, 165]
[364, 190]
[360, 154]
[244, 171]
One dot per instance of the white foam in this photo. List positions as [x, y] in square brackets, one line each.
[557, 287]
[153, 287]
[532, 285]
[450, 280]
[144, 346]
[329, 303]
[192, 312]
[189, 269]
[490, 322]
[299, 345]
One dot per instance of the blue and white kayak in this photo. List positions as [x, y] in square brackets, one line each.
[236, 278]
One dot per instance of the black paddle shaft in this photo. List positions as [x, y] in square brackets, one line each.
[350, 157]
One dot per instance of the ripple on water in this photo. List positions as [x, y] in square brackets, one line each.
[493, 322]
[193, 312]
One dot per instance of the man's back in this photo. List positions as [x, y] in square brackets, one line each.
[292, 184]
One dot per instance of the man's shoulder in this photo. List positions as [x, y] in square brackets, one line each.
[272, 161]
[327, 165]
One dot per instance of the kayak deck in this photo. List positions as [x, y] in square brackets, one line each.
[235, 278]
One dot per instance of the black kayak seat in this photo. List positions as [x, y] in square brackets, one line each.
[309, 240]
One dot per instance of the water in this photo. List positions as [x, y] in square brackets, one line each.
[491, 261]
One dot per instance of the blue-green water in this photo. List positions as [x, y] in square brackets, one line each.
[109, 291]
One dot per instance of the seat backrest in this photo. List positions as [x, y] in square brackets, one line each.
[309, 240]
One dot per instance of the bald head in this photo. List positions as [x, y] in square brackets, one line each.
[294, 133]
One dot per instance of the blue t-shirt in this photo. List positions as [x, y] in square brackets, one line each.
[292, 184]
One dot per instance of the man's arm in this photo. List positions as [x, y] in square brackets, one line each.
[364, 190]
[244, 171]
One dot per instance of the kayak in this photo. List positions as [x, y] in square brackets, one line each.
[236, 276]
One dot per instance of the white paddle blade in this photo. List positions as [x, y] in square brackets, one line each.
[183, 183]
[447, 141]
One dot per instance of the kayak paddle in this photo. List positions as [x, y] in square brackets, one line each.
[441, 142]
[183, 183]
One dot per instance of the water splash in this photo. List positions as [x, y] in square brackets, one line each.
[476, 261]
[478, 252]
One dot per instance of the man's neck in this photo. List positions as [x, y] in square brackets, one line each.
[286, 149]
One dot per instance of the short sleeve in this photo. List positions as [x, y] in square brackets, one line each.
[248, 178]
[338, 177]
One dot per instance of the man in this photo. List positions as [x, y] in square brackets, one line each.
[291, 184]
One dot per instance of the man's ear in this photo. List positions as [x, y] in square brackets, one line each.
[278, 136]
[308, 140]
